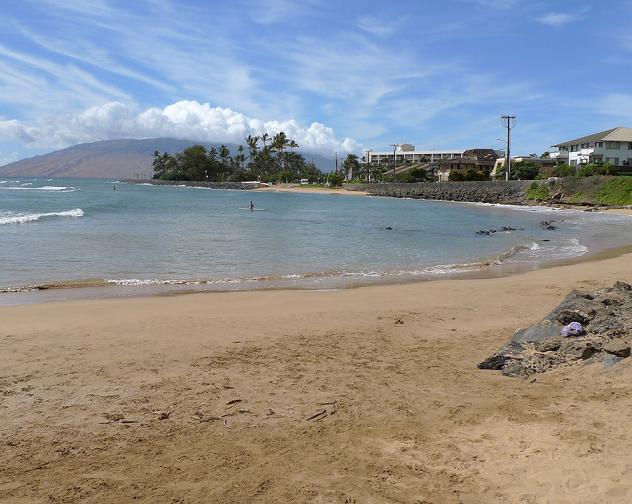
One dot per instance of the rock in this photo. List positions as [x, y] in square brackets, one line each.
[506, 353]
[606, 316]
[496, 362]
[618, 348]
[610, 360]
[622, 286]
[539, 332]
[548, 345]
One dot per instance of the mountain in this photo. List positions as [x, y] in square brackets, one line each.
[113, 159]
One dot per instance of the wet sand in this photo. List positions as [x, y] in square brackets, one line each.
[208, 398]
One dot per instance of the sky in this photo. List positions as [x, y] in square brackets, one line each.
[337, 76]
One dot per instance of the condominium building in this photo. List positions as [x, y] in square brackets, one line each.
[406, 153]
[612, 146]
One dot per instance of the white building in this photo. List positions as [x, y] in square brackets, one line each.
[613, 146]
[406, 153]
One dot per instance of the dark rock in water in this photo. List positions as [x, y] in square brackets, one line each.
[606, 316]
[548, 226]
[389, 228]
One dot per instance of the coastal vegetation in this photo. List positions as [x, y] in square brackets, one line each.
[263, 158]
[538, 192]
[587, 190]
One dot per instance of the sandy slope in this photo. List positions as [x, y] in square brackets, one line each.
[415, 421]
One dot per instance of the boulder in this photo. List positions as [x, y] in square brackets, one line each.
[606, 316]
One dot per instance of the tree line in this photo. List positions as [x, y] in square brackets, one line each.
[265, 158]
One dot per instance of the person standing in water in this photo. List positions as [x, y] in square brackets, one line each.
[252, 206]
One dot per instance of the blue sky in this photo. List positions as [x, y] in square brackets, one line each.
[337, 76]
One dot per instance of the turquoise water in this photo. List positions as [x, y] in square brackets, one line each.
[82, 232]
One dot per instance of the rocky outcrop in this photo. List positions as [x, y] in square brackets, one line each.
[510, 193]
[605, 334]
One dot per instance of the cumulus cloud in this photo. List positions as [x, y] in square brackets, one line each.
[185, 119]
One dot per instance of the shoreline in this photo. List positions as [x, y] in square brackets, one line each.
[487, 267]
[101, 396]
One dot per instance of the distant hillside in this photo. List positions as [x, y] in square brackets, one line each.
[112, 159]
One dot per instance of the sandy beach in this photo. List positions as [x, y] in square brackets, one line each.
[208, 398]
[297, 188]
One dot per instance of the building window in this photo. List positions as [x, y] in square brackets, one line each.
[599, 144]
[629, 145]
[613, 145]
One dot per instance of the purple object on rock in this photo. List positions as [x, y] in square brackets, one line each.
[572, 329]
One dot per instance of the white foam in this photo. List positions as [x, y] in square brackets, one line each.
[17, 218]
[43, 188]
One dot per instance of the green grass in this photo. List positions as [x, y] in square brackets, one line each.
[616, 192]
[538, 192]
[578, 197]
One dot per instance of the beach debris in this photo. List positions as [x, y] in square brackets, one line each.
[572, 329]
[588, 327]
[232, 402]
[399, 321]
[323, 413]
[198, 415]
[318, 416]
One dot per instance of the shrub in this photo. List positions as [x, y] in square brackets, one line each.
[335, 179]
[538, 192]
[617, 191]
[525, 170]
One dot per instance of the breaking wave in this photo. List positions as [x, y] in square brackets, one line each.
[43, 188]
[21, 218]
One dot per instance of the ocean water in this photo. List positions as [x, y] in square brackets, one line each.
[82, 233]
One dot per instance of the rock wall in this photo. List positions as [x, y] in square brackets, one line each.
[513, 192]
[210, 185]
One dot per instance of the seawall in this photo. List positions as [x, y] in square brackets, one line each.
[238, 186]
[509, 193]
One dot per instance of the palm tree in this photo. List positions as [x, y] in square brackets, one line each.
[264, 139]
[240, 156]
[279, 143]
[224, 154]
[251, 142]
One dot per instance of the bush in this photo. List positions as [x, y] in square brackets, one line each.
[525, 170]
[335, 179]
[616, 192]
[469, 175]
[538, 192]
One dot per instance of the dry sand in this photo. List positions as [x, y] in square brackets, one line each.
[414, 420]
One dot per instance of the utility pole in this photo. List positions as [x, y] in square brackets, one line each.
[394, 157]
[508, 123]
[368, 165]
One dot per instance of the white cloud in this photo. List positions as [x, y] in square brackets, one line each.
[189, 120]
[559, 19]
[380, 26]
